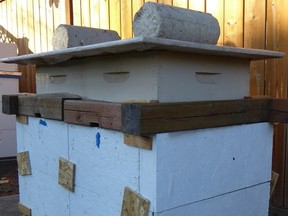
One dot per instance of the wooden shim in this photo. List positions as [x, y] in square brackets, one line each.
[274, 179]
[10, 74]
[22, 119]
[138, 141]
[93, 113]
[66, 176]
[147, 119]
[24, 210]
[10, 104]
[23, 160]
[134, 204]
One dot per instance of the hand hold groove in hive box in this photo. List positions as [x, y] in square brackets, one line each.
[163, 21]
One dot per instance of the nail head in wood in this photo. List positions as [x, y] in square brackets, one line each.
[23, 160]
[66, 176]
[134, 204]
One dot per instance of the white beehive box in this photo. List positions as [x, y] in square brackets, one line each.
[8, 85]
[219, 171]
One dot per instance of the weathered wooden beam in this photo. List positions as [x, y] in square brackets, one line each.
[10, 104]
[147, 119]
[278, 110]
[93, 113]
[45, 105]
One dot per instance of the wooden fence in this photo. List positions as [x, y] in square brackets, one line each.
[259, 24]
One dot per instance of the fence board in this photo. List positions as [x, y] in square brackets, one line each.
[37, 21]
[77, 12]
[43, 26]
[233, 23]
[136, 4]
[216, 8]
[95, 13]
[180, 3]
[168, 2]
[85, 9]
[104, 14]
[198, 5]
[254, 37]
[276, 86]
[126, 18]
[115, 16]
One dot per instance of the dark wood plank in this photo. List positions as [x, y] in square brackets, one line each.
[286, 168]
[46, 106]
[10, 104]
[277, 199]
[93, 113]
[147, 119]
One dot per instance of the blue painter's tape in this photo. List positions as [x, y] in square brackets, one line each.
[98, 136]
[43, 122]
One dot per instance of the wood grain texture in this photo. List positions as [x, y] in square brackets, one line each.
[93, 113]
[274, 179]
[254, 37]
[216, 8]
[198, 5]
[23, 160]
[233, 23]
[115, 16]
[134, 204]
[66, 176]
[10, 104]
[138, 141]
[126, 19]
[146, 119]
[22, 119]
[24, 210]
[46, 105]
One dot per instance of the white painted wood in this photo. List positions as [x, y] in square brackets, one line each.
[152, 76]
[185, 77]
[201, 164]
[182, 170]
[8, 86]
[7, 121]
[46, 140]
[7, 143]
[8, 50]
[148, 175]
[87, 78]
[43, 194]
[104, 167]
[140, 44]
[247, 202]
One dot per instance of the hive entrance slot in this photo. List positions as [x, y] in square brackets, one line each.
[38, 115]
[94, 124]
